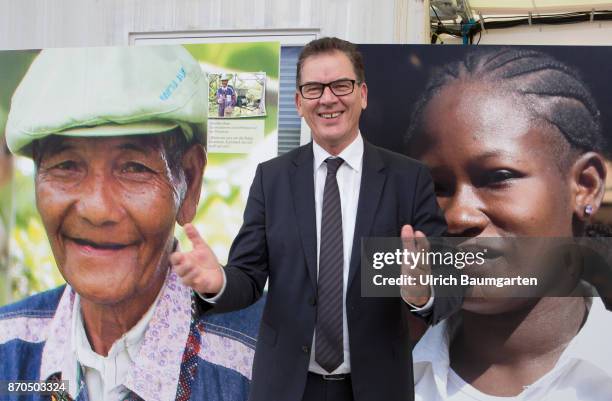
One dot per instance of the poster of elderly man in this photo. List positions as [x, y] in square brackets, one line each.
[118, 151]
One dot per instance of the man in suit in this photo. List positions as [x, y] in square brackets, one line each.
[305, 216]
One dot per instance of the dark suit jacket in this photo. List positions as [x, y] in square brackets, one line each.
[278, 241]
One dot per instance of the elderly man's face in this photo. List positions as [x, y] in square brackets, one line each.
[109, 206]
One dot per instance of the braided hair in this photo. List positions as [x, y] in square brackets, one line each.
[554, 92]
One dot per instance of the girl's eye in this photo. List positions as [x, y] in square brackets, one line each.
[500, 176]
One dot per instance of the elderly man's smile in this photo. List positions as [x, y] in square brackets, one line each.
[91, 247]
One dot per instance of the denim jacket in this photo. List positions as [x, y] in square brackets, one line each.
[185, 355]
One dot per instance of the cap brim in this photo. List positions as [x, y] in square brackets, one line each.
[140, 128]
[106, 130]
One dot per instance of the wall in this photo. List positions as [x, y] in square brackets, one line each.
[59, 23]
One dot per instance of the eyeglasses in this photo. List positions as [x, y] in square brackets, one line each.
[314, 90]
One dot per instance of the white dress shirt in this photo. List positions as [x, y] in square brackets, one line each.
[349, 183]
[104, 376]
[583, 372]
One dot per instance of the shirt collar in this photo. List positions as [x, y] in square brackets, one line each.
[130, 340]
[433, 349]
[58, 355]
[352, 154]
[155, 372]
[433, 346]
[122, 354]
[590, 345]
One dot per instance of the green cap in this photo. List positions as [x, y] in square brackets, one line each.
[108, 91]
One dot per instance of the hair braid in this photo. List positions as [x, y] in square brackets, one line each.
[554, 92]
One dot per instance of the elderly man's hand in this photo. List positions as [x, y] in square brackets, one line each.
[415, 241]
[198, 268]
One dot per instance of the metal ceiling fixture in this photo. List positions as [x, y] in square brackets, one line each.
[445, 10]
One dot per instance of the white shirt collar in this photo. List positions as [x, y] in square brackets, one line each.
[352, 154]
[130, 340]
[155, 374]
[590, 345]
[112, 369]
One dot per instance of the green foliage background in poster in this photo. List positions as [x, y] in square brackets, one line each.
[228, 176]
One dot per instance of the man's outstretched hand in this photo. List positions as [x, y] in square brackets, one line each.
[198, 268]
[415, 241]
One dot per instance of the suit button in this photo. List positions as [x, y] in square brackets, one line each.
[312, 301]
[305, 349]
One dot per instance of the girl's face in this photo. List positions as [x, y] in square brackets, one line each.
[495, 175]
[493, 165]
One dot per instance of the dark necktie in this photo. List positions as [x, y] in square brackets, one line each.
[329, 349]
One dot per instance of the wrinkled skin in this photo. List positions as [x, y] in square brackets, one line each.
[109, 206]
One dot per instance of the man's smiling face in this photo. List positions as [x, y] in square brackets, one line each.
[334, 120]
[109, 206]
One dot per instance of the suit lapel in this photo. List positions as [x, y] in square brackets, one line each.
[302, 189]
[373, 178]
